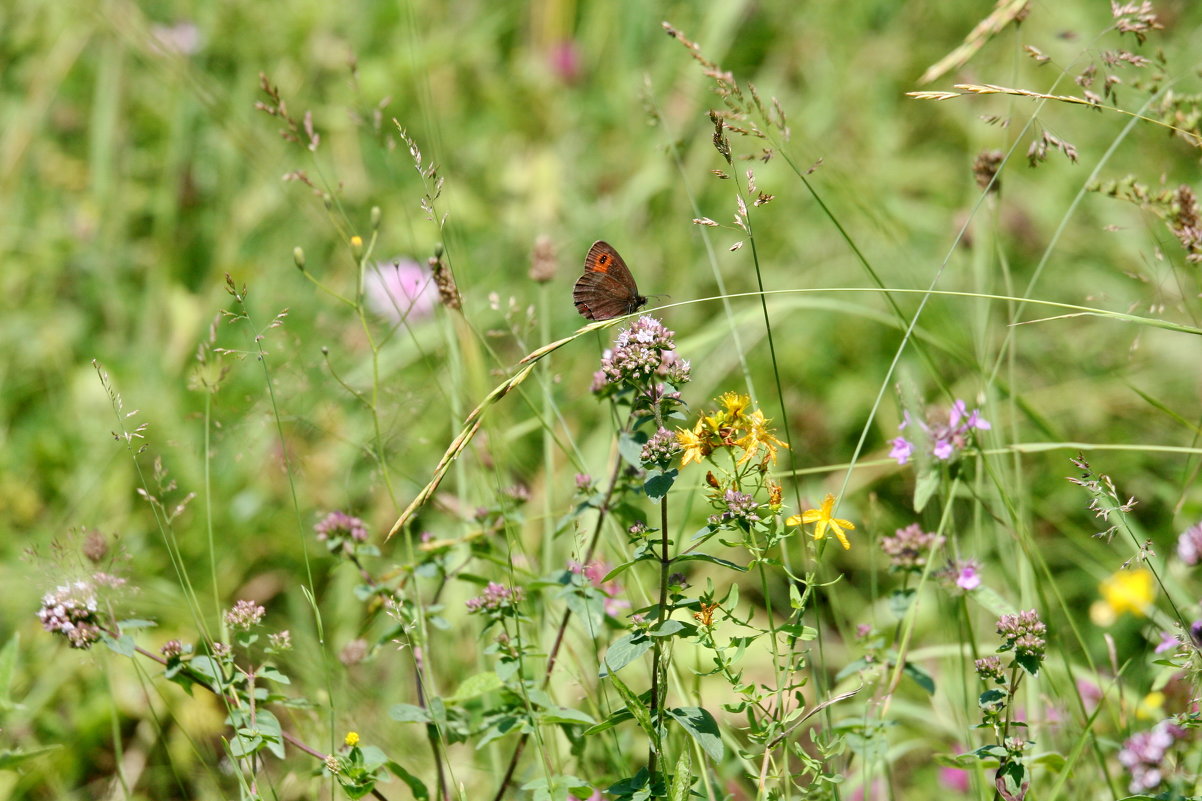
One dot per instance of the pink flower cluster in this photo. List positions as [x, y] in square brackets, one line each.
[945, 439]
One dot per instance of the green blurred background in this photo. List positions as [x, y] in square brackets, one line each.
[135, 172]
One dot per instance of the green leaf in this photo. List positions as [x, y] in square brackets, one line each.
[920, 677]
[624, 651]
[622, 568]
[408, 713]
[373, 757]
[682, 777]
[1052, 760]
[1029, 663]
[731, 601]
[991, 700]
[123, 645]
[501, 727]
[558, 788]
[699, 723]
[955, 760]
[794, 596]
[634, 704]
[271, 674]
[924, 487]
[804, 633]
[562, 714]
[995, 604]
[705, 557]
[244, 744]
[630, 446]
[10, 760]
[615, 718]
[671, 628]
[988, 753]
[135, 623]
[657, 485]
[268, 727]
[208, 667]
[415, 784]
[475, 686]
[851, 668]
[1012, 781]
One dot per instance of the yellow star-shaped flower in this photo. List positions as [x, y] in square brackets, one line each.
[822, 519]
[735, 405]
[693, 444]
[758, 436]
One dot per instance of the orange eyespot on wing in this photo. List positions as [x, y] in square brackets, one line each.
[606, 289]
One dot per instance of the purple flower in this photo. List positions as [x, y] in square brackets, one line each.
[639, 354]
[495, 596]
[595, 572]
[902, 450]
[244, 615]
[1168, 642]
[73, 611]
[399, 290]
[954, 779]
[945, 439]
[989, 669]
[961, 575]
[1024, 633]
[968, 577]
[1143, 754]
[660, 449]
[738, 507]
[908, 547]
[564, 61]
[340, 531]
[1189, 545]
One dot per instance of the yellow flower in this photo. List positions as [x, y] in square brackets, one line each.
[735, 405]
[706, 616]
[758, 436]
[1151, 707]
[693, 444]
[1126, 591]
[822, 518]
[351, 739]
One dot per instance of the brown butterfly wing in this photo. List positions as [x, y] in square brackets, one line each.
[607, 289]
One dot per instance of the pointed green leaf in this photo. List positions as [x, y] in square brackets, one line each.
[408, 713]
[657, 485]
[475, 686]
[624, 651]
[420, 793]
[713, 560]
[699, 723]
[634, 704]
[920, 676]
[682, 777]
[924, 487]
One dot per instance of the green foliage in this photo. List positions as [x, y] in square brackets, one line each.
[201, 363]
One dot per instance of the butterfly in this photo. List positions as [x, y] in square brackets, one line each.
[607, 289]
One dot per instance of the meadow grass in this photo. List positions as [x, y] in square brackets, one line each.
[327, 491]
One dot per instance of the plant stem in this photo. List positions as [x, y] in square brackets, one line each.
[603, 512]
[665, 564]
